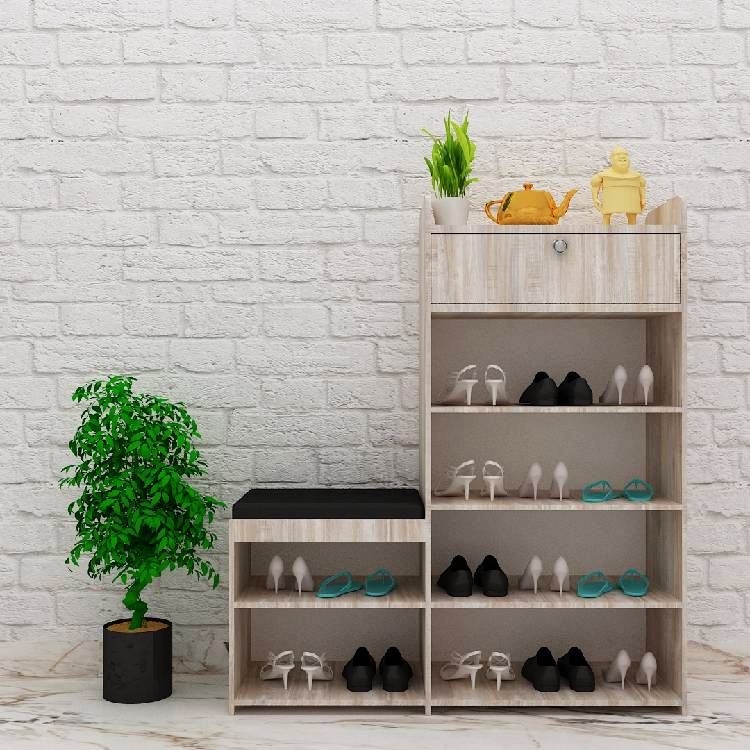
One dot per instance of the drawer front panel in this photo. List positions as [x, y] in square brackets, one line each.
[526, 269]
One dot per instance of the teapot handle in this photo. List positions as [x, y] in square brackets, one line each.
[488, 206]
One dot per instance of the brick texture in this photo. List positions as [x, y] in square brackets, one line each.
[221, 197]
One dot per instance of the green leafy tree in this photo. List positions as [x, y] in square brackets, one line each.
[452, 159]
[137, 516]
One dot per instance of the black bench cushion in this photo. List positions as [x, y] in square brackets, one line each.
[329, 503]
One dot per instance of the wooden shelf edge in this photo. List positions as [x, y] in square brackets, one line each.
[480, 503]
[519, 409]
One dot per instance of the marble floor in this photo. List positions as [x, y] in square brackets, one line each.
[53, 711]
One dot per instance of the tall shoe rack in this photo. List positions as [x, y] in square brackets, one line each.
[582, 297]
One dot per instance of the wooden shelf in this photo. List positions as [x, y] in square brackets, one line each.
[481, 503]
[520, 692]
[520, 409]
[408, 594]
[252, 691]
[327, 530]
[546, 599]
[500, 310]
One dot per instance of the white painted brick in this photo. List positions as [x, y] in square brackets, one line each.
[729, 319]
[729, 572]
[185, 158]
[432, 13]
[201, 193]
[300, 158]
[735, 14]
[220, 320]
[37, 319]
[303, 394]
[397, 355]
[307, 85]
[731, 429]
[699, 14]
[204, 391]
[703, 357]
[74, 227]
[199, 14]
[183, 228]
[21, 536]
[387, 429]
[363, 49]
[708, 263]
[51, 572]
[726, 156]
[700, 121]
[629, 121]
[309, 14]
[89, 265]
[151, 320]
[24, 121]
[722, 500]
[8, 572]
[52, 428]
[15, 14]
[390, 227]
[15, 358]
[181, 46]
[652, 85]
[359, 319]
[67, 292]
[547, 13]
[697, 572]
[272, 357]
[75, 157]
[714, 192]
[723, 291]
[534, 46]
[710, 465]
[699, 428]
[268, 227]
[299, 321]
[94, 319]
[419, 83]
[362, 393]
[195, 84]
[293, 49]
[201, 355]
[735, 356]
[410, 392]
[355, 467]
[11, 84]
[381, 192]
[707, 49]
[82, 607]
[100, 355]
[8, 228]
[355, 121]
[291, 264]
[89, 47]
[20, 465]
[33, 193]
[89, 121]
[115, 14]
[186, 121]
[26, 608]
[728, 228]
[537, 83]
[629, 50]
[433, 46]
[253, 429]
[407, 467]
[732, 84]
[285, 466]
[715, 393]
[714, 608]
[387, 292]
[11, 428]
[91, 84]
[364, 263]
[189, 264]
[89, 194]
[25, 49]
[285, 121]
[300, 193]
[26, 265]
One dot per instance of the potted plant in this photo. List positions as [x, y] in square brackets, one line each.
[137, 517]
[450, 170]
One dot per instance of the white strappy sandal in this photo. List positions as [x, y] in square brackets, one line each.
[494, 482]
[499, 668]
[458, 483]
[461, 666]
[496, 386]
[460, 385]
[315, 667]
[278, 667]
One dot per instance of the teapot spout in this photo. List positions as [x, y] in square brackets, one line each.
[563, 207]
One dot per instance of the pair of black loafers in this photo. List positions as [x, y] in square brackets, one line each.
[543, 391]
[544, 673]
[395, 672]
[457, 579]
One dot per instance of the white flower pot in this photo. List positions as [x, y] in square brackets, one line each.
[454, 211]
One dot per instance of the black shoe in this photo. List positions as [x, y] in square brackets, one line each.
[541, 392]
[456, 578]
[577, 671]
[490, 577]
[574, 391]
[542, 672]
[359, 671]
[395, 671]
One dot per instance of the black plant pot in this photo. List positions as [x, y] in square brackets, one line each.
[137, 666]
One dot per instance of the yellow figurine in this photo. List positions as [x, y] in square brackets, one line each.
[622, 190]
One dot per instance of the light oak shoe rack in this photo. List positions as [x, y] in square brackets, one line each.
[583, 297]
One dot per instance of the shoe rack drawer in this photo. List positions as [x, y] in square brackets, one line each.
[556, 268]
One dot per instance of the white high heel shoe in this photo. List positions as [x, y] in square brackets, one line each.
[459, 386]
[530, 486]
[499, 668]
[645, 384]
[275, 579]
[612, 394]
[315, 667]
[461, 666]
[530, 577]
[278, 667]
[302, 576]
[646, 674]
[496, 386]
[459, 484]
[559, 480]
[618, 668]
[493, 483]
[560, 576]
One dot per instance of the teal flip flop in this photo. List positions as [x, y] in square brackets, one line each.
[337, 585]
[593, 584]
[380, 583]
[638, 490]
[633, 583]
[599, 492]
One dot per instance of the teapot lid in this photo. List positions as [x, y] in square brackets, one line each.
[528, 185]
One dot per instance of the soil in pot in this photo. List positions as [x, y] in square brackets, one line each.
[137, 664]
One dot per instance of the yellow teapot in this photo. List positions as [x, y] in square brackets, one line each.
[529, 206]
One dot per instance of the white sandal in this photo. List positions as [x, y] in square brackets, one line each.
[315, 667]
[493, 483]
[458, 484]
[461, 666]
[459, 387]
[496, 386]
[499, 668]
[278, 667]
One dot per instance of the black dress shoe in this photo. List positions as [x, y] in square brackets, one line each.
[456, 579]
[359, 671]
[542, 672]
[577, 671]
[574, 391]
[489, 576]
[541, 392]
[395, 671]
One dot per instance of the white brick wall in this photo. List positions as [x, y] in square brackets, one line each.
[222, 198]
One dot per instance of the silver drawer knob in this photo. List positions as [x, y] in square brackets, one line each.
[559, 246]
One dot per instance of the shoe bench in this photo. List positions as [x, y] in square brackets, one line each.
[518, 298]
